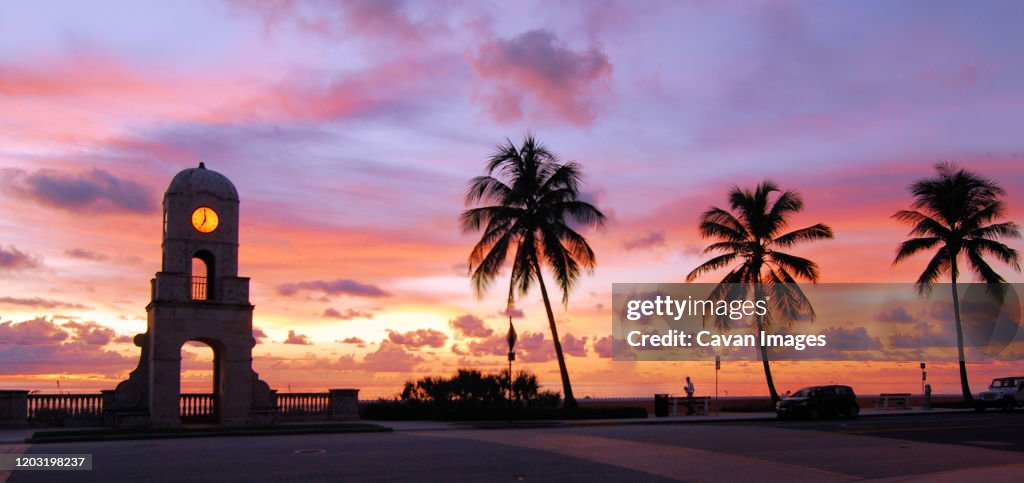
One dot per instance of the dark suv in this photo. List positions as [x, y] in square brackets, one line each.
[819, 401]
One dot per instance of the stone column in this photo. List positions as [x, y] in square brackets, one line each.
[344, 404]
[13, 408]
[165, 382]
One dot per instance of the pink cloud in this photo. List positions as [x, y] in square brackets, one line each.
[574, 346]
[470, 326]
[38, 331]
[390, 357]
[39, 346]
[649, 240]
[388, 20]
[40, 303]
[418, 338]
[70, 358]
[356, 341]
[491, 346]
[297, 339]
[536, 72]
[91, 333]
[258, 335]
[603, 347]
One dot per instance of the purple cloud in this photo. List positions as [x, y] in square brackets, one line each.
[857, 339]
[650, 240]
[91, 333]
[603, 347]
[40, 303]
[894, 314]
[513, 313]
[38, 331]
[87, 191]
[348, 314]
[12, 259]
[470, 326]
[537, 72]
[83, 254]
[574, 346]
[334, 287]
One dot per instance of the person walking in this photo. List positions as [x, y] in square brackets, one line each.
[689, 397]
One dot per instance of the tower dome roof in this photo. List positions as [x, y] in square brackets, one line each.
[202, 180]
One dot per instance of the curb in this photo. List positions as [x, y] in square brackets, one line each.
[751, 419]
[540, 424]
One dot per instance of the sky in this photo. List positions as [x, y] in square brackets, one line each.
[351, 130]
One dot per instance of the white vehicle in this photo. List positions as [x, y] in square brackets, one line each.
[1004, 393]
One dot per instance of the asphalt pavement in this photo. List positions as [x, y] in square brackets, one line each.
[927, 447]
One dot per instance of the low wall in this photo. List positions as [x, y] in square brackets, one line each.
[13, 408]
[752, 404]
[20, 408]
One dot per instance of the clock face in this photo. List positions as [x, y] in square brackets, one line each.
[204, 219]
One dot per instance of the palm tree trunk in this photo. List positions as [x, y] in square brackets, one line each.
[570, 401]
[759, 295]
[964, 386]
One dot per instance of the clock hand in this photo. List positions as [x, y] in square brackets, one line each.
[204, 217]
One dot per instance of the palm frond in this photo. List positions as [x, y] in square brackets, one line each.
[922, 224]
[811, 233]
[1006, 229]
[563, 266]
[580, 212]
[800, 266]
[487, 189]
[722, 217]
[981, 267]
[912, 246]
[712, 265]
[995, 249]
[787, 203]
[489, 265]
[940, 263]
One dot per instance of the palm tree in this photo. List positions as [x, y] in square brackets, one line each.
[955, 211]
[751, 234]
[532, 206]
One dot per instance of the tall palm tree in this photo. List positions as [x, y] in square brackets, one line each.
[531, 209]
[751, 234]
[955, 212]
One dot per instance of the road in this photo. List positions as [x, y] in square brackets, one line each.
[950, 447]
[990, 430]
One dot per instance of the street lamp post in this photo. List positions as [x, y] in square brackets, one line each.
[511, 339]
[924, 377]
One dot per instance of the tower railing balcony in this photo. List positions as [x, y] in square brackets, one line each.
[199, 288]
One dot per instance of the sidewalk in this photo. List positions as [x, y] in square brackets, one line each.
[12, 442]
[724, 417]
[16, 436]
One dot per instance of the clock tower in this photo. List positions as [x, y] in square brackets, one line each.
[196, 296]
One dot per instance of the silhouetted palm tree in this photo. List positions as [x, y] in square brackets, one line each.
[532, 206]
[954, 212]
[751, 234]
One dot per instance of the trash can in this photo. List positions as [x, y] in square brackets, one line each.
[661, 405]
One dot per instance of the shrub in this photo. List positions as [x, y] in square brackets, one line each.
[466, 395]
